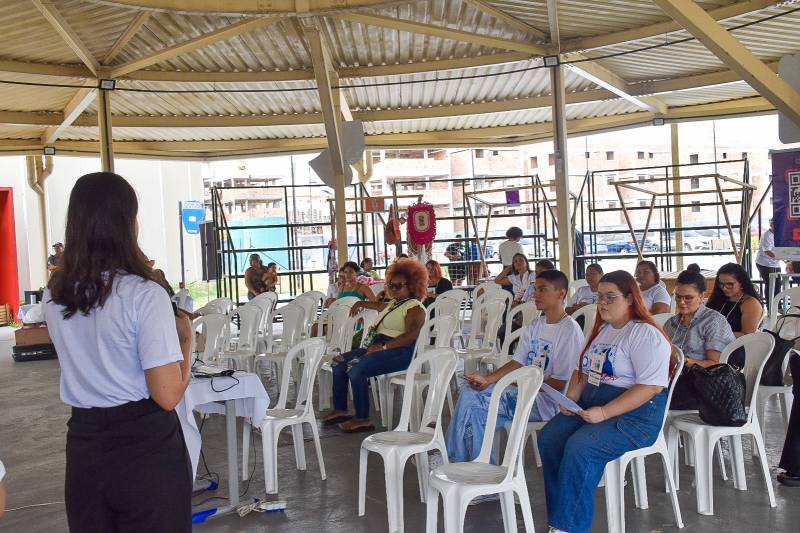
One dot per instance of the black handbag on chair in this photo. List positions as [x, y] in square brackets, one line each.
[772, 376]
[720, 394]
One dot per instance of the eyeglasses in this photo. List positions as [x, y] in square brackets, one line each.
[685, 297]
[727, 285]
[397, 286]
[607, 298]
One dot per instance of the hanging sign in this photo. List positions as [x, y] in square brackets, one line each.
[786, 203]
[374, 205]
[421, 223]
[193, 213]
[512, 197]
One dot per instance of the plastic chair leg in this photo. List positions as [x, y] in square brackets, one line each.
[673, 494]
[454, 511]
[270, 452]
[704, 481]
[431, 510]
[450, 402]
[672, 448]
[535, 442]
[362, 481]
[737, 458]
[509, 513]
[318, 446]
[639, 482]
[393, 473]
[762, 453]
[721, 459]
[389, 390]
[615, 497]
[299, 446]
[376, 401]
[525, 506]
[247, 430]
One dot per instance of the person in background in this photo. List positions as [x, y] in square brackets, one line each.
[656, 297]
[790, 456]
[437, 283]
[54, 259]
[735, 298]
[270, 277]
[389, 344]
[367, 267]
[518, 276]
[348, 285]
[254, 277]
[511, 247]
[701, 333]
[125, 364]
[455, 252]
[543, 264]
[766, 262]
[587, 294]
[620, 386]
[550, 342]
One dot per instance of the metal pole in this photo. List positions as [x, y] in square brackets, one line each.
[180, 232]
[676, 174]
[565, 230]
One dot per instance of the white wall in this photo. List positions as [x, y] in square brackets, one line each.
[160, 185]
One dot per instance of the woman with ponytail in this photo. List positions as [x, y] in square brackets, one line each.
[620, 386]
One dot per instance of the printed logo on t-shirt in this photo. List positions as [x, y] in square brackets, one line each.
[597, 352]
[539, 351]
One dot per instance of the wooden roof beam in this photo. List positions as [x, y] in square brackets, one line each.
[443, 33]
[512, 21]
[552, 20]
[735, 55]
[133, 28]
[77, 104]
[185, 47]
[599, 75]
[635, 34]
[59, 23]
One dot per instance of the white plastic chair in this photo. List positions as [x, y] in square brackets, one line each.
[704, 437]
[661, 318]
[459, 483]
[272, 298]
[589, 313]
[377, 288]
[311, 302]
[339, 335]
[784, 393]
[485, 286]
[267, 315]
[615, 471]
[574, 285]
[282, 416]
[247, 340]
[461, 297]
[293, 319]
[442, 329]
[444, 306]
[527, 311]
[396, 446]
[218, 305]
[484, 342]
[792, 294]
[506, 352]
[215, 328]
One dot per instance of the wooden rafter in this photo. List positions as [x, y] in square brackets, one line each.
[133, 28]
[59, 23]
[192, 44]
[552, 21]
[77, 104]
[485, 7]
[444, 33]
[735, 55]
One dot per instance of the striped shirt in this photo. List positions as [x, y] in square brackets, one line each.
[708, 330]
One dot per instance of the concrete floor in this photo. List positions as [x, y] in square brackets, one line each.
[32, 434]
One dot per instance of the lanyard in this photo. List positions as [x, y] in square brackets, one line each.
[597, 360]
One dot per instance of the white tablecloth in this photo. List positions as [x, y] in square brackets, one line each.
[250, 397]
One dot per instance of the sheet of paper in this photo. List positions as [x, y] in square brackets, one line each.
[556, 397]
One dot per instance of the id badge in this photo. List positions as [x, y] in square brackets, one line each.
[596, 368]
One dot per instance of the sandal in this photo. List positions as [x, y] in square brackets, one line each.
[358, 429]
[336, 420]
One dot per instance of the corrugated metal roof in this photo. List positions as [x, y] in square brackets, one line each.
[26, 36]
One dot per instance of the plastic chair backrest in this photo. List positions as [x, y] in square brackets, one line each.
[441, 363]
[214, 326]
[529, 380]
[225, 305]
[377, 288]
[661, 318]
[527, 310]
[480, 310]
[318, 300]
[250, 319]
[444, 306]
[792, 294]
[757, 347]
[486, 286]
[575, 285]
[312, 351]
[509, 342]
[589, 314]
[266, 311]
[341, 328]
[442, 328]
[293, 324]
[495, 312]
[680, 360]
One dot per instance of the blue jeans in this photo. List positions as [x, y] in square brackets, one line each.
[369, 365]
[468, 425]
[575, 453]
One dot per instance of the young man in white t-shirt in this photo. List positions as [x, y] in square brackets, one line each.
[553, 342]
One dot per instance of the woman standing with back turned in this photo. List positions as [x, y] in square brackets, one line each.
[124, 360]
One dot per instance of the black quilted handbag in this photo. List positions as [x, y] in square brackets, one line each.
[720, 394]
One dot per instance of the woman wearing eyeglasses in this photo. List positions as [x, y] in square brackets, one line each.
[620, 386]
[701, 333]
[735, 298]
[389, 344]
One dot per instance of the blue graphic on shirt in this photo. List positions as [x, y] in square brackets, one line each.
[539, 351]
[598, 350]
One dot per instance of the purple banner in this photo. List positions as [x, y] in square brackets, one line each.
[512, 197]
[786, 198]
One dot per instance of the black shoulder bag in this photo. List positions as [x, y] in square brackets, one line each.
[720, 393]
[772, 376]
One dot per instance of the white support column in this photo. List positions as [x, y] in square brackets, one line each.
[676, 172]
[566, 233]
[104, 124]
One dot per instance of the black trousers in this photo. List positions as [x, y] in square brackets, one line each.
[790, 458]
[764, 272]
[127, 471]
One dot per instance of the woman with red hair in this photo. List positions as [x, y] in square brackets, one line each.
[620, 386]
[387, 346]
[437, 283]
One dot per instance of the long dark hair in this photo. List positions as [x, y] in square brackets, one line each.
[101, 243]
[718, 298]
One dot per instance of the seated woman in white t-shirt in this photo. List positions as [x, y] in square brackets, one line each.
[587, 294]
[517, 277]
[655, 295]
[551, 342]
[620, 387]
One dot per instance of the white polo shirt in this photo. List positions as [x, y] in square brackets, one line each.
[507, 251]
